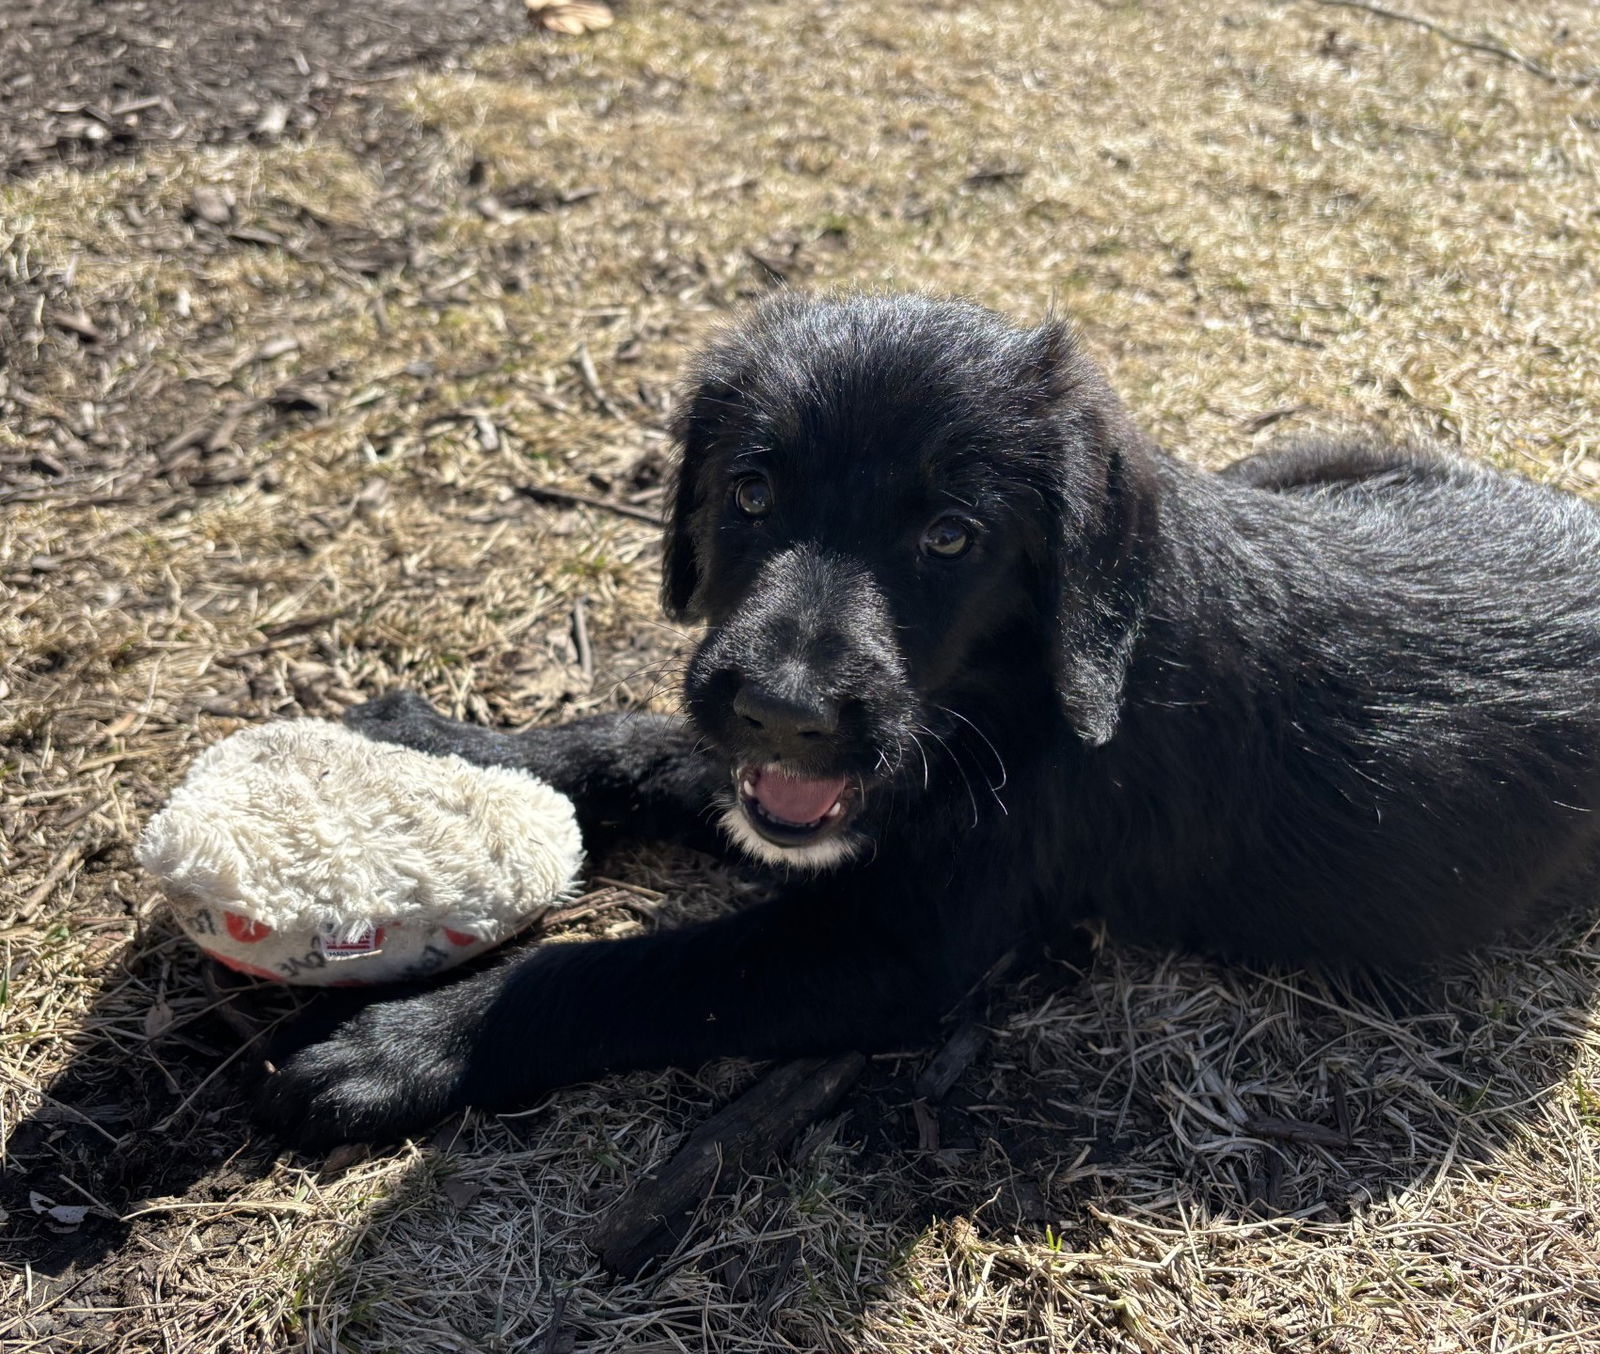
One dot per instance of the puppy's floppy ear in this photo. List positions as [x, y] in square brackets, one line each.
[1094, 579]
[1103, 591]
[680, 566]
[693, 427]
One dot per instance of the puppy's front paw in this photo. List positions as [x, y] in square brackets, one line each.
[402, 717]
[383, 1075]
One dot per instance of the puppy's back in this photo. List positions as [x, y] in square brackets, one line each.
[1395, 715]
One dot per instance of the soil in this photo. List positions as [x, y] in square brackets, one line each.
[80, 80]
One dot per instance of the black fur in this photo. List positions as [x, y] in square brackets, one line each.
[1336, 704]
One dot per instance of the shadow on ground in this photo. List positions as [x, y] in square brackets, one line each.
[1122, 1086]
[1147, 1088]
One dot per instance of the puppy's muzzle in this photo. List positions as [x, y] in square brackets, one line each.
[800, 686]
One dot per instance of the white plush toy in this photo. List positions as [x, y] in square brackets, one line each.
[303, 852]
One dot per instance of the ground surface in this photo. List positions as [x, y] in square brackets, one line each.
[273, 392]
[79, 82]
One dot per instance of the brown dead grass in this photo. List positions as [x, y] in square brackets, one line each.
[287, 473]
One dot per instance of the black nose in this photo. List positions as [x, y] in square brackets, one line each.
[785, 719]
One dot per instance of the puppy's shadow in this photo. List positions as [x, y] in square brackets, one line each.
[1197, 1089]
[1165, 1089]
[147, 1110]
[146, 1131]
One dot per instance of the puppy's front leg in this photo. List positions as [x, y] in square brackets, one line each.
[809, 973]
[639, 774]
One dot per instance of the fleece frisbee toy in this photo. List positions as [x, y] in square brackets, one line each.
[302, 852]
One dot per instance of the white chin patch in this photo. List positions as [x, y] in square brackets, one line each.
[828, 854]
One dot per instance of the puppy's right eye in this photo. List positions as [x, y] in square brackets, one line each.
[947, 537]
[753, 495]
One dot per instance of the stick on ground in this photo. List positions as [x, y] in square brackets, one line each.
[647, 1221]
[947, 1065]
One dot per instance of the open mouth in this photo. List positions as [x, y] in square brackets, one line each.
[791, 810]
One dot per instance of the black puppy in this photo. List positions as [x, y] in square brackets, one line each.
[981, 662]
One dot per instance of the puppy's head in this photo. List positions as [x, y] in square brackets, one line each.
[885, 504]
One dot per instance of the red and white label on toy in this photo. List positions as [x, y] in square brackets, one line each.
[350, 942]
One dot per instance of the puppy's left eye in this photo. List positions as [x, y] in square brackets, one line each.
[753, 495]
[947, 537]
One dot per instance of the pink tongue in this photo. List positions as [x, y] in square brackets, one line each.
[796, 799]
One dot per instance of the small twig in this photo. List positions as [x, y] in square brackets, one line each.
[217, 1208]
[123, 110]
[1278, 1128]
[64, 864]
[927, 1126]
[252, 1046]
[227, 423]
[112, 758]
[73, 1110]
[54, 1300]
[566, 498]
[98, 1202]
[210, 433]
[951, 1061]
[221, 1004]
[82, 811]
[545, 400]
[1268, 417]
[552, 1330]
[654, 895]
[281, 633]
[788, 1257]
[79, 324]
[580, 633]
[1488, 48]
[1341, 1104]
[993, 976]
[591, 381]
[488, 434]
[646, 1221]
[1266, 1182]
[584, 907]
[944, 1069]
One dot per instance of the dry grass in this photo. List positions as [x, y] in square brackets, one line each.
[283, 469]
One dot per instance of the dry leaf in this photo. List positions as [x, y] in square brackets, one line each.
[65, 1215]
[571, 17]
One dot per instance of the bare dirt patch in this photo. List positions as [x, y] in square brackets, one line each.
[82, 81]
[287, 421]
